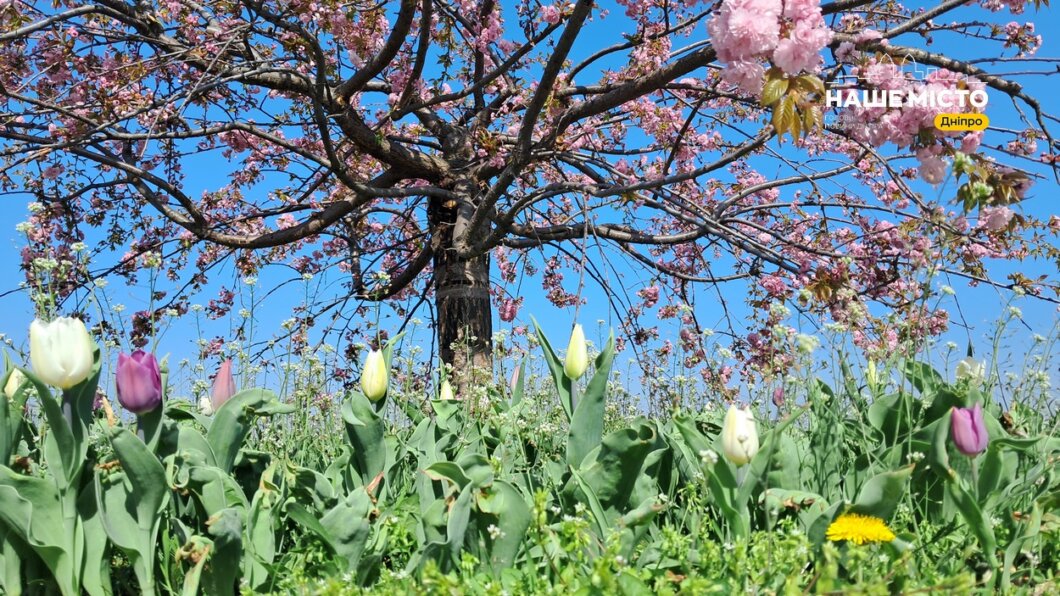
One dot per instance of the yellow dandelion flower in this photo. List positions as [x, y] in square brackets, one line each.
[859, 529]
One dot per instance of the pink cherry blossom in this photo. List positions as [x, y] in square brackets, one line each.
[994, 219]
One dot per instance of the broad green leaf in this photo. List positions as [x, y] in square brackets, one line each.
[232, 421]
[445, 470]
[595, 507]
[513, 518]
[922, 376]
[886, 414]
[555, 366]
[215, 490]
[612, 470]
[11, 549]
[145, 495]
[221, 571]
[978, 523]
[477, 468]
[879, 496]
[63, 450]
[365, 431]
[260, 544]
[96, 577]
[456, 526]
[31, 508]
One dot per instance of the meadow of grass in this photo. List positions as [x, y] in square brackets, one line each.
[549, 481]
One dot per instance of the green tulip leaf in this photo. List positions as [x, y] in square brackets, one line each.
[232, 422]
[365, 431]
[887, 416]
[512, 517]
[450, 471]
[220, 573]
[477, 468]
[31, 508]
[600, 518]
[97, 565]
[64, 447]
[973, 516]
[215, 490]
[132, 504]
[456, 525]
[612, 470]
[555, 366]
[922, 376]
[879, 496]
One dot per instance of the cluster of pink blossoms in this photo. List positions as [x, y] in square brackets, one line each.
[745, 32]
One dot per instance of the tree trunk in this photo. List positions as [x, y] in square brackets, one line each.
[465, 317]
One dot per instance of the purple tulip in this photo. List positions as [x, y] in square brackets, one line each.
[139, 382]
[224, 386]
[968, 431]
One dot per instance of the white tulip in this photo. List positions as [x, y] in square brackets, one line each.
[971, 369]
[375, 378]
[61, 351]
[205, 406]
[577, 355]
[14, 381]
[739, 437]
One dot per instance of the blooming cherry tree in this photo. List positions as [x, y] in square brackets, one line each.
[437, 150]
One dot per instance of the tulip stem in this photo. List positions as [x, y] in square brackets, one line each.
[975, 477]
[149, 425]
[68, 410]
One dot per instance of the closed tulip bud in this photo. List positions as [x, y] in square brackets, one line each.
[968, 430]
[577, 355]
[375, 377]
[14, 381]
[871, 376]
[224, 385]
[513, 383]
[446, 391]
[61, 351]
[778, 397]
[739, 438]
[139, 382]
[205, 406]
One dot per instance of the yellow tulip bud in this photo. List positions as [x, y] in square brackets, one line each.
[375, 377]
[61, 351]
[446, 391]
[739, 437]
[870, 375]
[14, 381]
[577, 355]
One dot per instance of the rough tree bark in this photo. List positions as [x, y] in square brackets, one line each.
[462, 300]
[465, 319]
